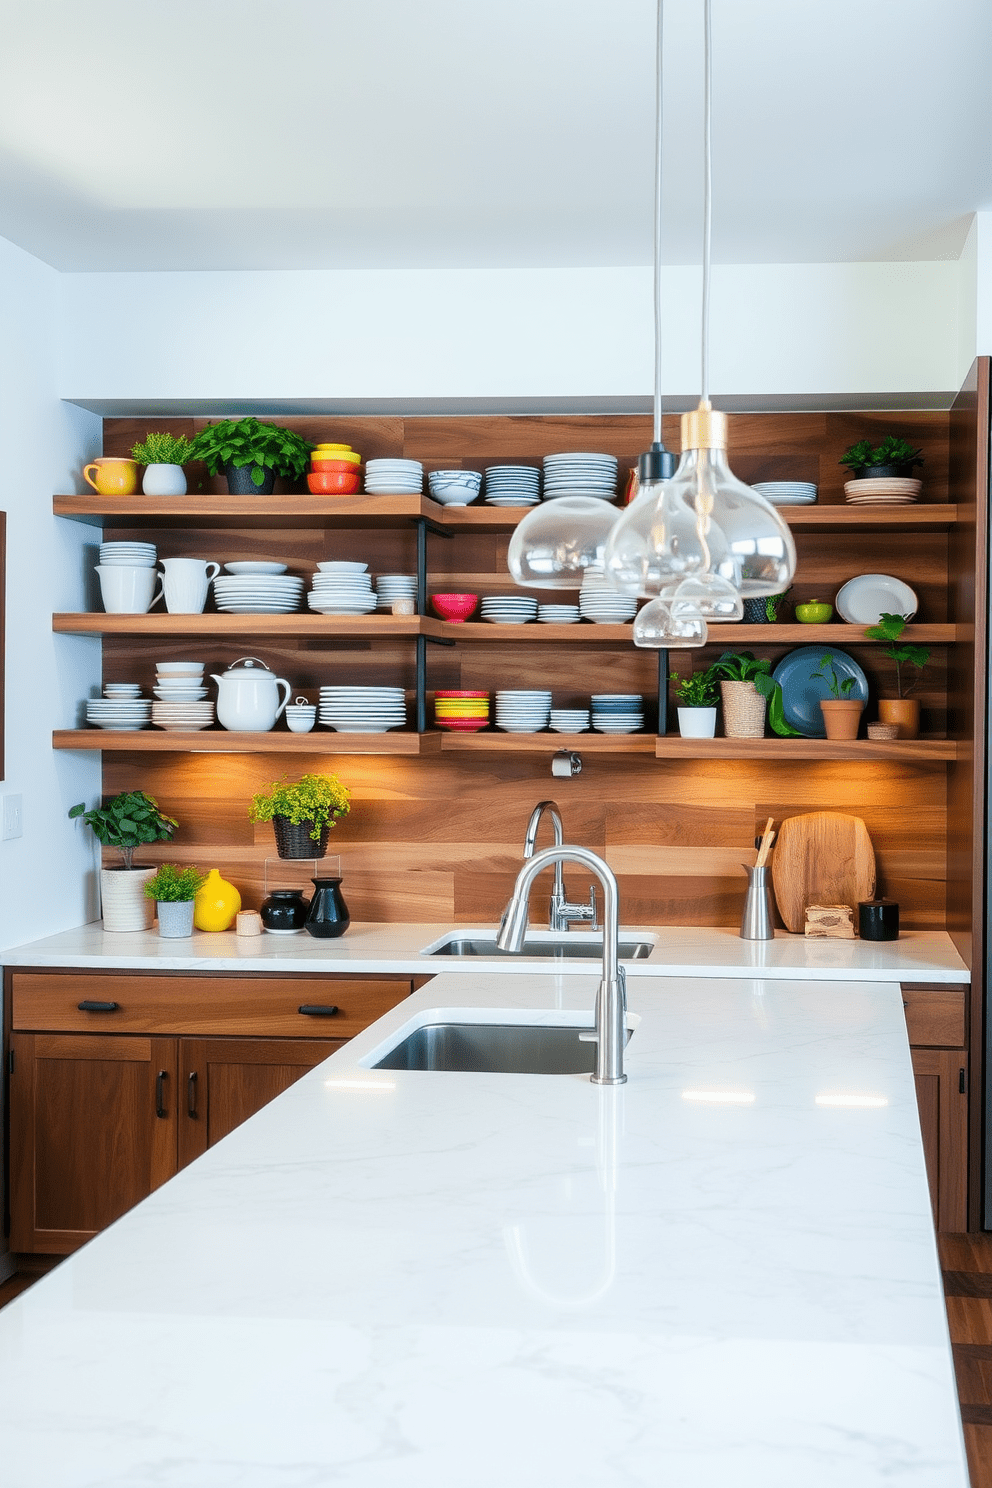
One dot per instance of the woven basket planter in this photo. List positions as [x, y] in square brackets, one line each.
[743, 710]
[293, 839]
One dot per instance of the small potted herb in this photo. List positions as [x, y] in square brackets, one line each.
[697, 697]
[893, 457]
[748, 689]
[902, 709]
[251, 454]
[764, 610]
[127, 822]
[173, 889]
[302, 813]
[163, 456]
[841, 713]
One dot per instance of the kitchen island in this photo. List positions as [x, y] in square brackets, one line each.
[722, 1271]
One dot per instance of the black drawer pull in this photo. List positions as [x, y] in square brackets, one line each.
[98, 1007]
[317, 1010]
[191, 1095]
[160, 1110]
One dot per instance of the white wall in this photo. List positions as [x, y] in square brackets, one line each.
[792, 330]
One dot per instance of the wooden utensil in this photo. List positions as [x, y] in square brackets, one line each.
[821, 858]
[767, 838]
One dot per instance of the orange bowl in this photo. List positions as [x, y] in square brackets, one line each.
[332, 482]
[326, 466]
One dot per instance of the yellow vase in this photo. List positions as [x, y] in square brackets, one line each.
[217, 903]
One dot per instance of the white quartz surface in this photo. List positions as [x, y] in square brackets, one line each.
[721, 1273]
[916, 956]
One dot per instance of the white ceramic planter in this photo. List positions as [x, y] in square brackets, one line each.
[175, 918]
[164, 480]
[122, 896]
[697, 723]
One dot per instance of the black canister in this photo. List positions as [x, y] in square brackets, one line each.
[878, 919]
[328, 915]
[284, 912]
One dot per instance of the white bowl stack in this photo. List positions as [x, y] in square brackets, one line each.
[394, 477]
[508, 609]
[580, 475]
[395, 586]
[569, 720]
[522, 711]
[342, 589]
[454, 487]
[786, 493]
[558, 614]
[601, 603]
[127, 713]
[180, 692]
[617, 712]
[362, 710]
[513, 485]
[128, 554]
[122, 690]
[258, 594]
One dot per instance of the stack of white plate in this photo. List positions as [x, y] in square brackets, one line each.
[258, 594]
[362, 710]
[558, 614]
[122, 690]
[342, 592]
[508, 609]
[513, 485]
[184, 686]
[128, 554]
[601, 603]
[580, 475]
[569, 720]
[394, 477]
[182, 717]
[127, 714]
[786, 493]
[882, 490]
[522, 712]
[617, 712]
[395, 586]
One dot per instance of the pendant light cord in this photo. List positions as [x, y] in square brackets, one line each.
[707, 197]
[658, 85]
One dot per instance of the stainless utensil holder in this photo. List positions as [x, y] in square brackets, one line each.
[756, 922]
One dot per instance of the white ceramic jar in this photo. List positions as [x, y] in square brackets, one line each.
[164, 480]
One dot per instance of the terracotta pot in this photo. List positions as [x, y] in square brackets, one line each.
[902, 711]
[743, 710]
[841, 717]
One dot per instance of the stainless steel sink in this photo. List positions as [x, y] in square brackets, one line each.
[559, 948]
[494, 1048]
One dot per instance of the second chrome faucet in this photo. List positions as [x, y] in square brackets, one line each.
[561, 914]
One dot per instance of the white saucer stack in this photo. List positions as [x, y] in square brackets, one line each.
[342, 590]
[513, 485]
[508, 609]
[181, 693]
[128, 554]
[395, 586]
[569, 720]
[558, 614]
[522, 711]
[258, 594]
[126, 714]
[786, 493]
[617, 712]
[601, 603]
[394, 477]
[362, 710]
[580, 475]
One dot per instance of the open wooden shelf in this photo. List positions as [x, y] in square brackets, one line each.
[225, 741]
[488, 740]
[216, 627]
[784, 751]
[584, 633]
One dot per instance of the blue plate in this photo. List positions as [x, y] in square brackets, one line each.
[803, 693]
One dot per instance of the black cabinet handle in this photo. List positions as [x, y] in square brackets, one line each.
[191, 1095]
[97, 1007]
[160, 1110]
[317, 1010]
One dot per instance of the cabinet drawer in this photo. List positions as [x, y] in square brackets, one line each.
[935, 1016]
[243, 1006]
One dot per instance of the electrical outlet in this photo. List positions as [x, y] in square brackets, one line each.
[13, 825]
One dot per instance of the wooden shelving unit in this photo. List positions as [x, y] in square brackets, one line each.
[787, 751]
[583, 634]
[235, 627]
[224, 741]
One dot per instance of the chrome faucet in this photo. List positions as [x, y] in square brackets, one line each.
[611, 996]
[560, 912]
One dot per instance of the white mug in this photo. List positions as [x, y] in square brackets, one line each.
[127, 591]
[186, 583]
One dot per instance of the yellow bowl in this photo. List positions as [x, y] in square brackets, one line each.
[343, 457]
[335, 447]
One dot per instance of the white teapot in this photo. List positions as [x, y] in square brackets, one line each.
[248, 696]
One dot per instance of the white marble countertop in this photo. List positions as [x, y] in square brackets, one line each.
[918, 955]
[722, 1272]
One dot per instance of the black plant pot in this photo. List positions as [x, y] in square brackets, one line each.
[293, 839]
[328, 917]
[885, 472]
[755, 612]
[240, 483]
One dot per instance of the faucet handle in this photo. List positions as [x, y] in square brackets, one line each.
[594, 915]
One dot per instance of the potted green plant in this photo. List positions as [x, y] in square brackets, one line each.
[302, 813]
[748, 689]
[128, 821]
[903, 710]
[251, 453]
[764, 610]
[893, 457]
[841, 713]
[173, 889]
[163, 456]
[697, 697]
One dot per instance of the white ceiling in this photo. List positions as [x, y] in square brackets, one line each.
[218, 134]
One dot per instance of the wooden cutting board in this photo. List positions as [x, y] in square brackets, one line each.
[822, 858]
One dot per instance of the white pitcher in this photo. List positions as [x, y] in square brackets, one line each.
[248, 696]
[186, 581]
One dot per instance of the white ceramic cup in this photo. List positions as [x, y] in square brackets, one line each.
[127, 591]
[186, 583]
[301, 717]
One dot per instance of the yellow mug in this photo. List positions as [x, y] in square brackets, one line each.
[114, 476]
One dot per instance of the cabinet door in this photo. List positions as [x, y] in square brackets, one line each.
[224, 1081]
[941, 1094]
[93, 1129]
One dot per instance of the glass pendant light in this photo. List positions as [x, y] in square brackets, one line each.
[554, 544]
[657, 627]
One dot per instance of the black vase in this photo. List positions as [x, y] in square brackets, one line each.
[328, 917]
[240, 483]
[284, 912]
[755, 612]
[293, 839]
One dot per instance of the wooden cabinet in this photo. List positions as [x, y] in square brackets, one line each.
[117, 1080]
[936, 1021]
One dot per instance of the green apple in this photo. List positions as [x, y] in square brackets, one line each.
[814, 612]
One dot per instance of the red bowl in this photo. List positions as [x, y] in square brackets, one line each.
[332, 483]
[454, 607]
[462, 725]
[461, 694]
